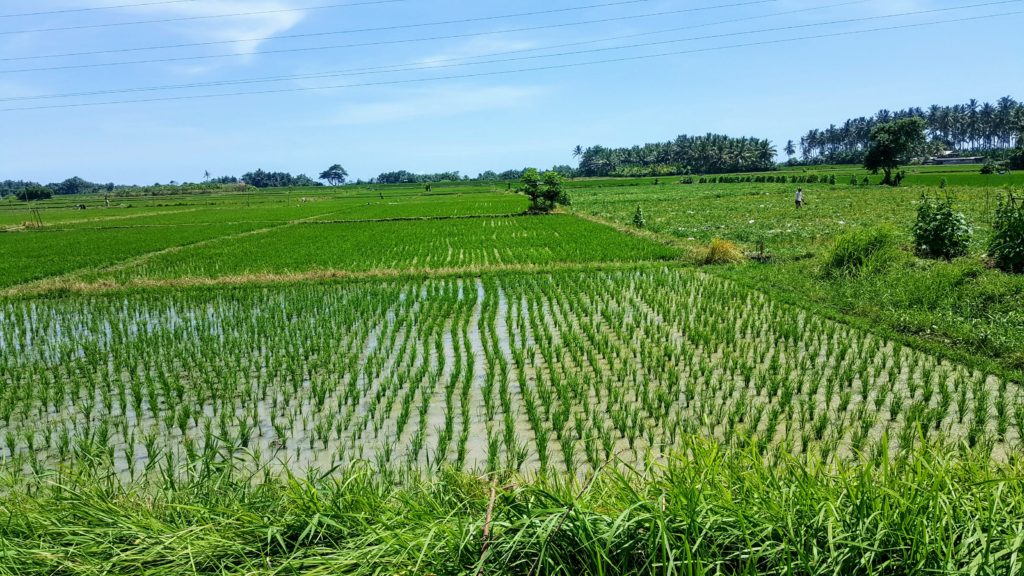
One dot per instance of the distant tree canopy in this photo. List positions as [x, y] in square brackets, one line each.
[12, 187]
[76, 185]
[70, 186]
[261, 179]
[709, 154]
[406, 177]
[33, 192]
[893, 144]
[334, 175]
[970, 127]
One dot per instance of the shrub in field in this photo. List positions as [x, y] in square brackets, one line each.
[988, 168]
[1007, 244]
[940, 232]
[859, 252]
[853, 180]
[943, 183]
[638, 217]
[721, 252]
[545, 190]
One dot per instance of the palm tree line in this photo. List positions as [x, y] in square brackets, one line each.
[709, 154]
[964, 128]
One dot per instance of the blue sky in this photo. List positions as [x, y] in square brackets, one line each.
[494, 121]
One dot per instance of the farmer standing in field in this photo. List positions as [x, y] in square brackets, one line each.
[799, 198]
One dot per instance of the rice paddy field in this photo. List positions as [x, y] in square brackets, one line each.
[384, 381]
[961, 309]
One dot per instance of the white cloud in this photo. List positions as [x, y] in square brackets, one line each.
[232, 29]
[440, 103]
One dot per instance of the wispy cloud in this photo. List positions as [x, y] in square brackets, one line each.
[440, 103]
[476, 47]
[233, 29]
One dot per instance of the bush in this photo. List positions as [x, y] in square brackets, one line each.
[545, 190]
[638, 217]
[988, 168]
[1006, 248]
[860, 252]
[940, 232]
[943, 183]
[721, 252]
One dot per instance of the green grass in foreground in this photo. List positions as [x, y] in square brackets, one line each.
[708, 511]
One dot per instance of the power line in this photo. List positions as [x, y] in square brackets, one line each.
[361, 44]
[193, 18]
[321, 7]
[441, 63]
[94, 9]
[517, 71]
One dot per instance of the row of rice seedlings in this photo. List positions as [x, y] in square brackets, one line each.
[745, 369]
[518, 372]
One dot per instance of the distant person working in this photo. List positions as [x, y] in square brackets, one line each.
[799, 198]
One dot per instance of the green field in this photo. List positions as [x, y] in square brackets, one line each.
[962, 309]
[34, 255]
[417, 245]
[367, 380]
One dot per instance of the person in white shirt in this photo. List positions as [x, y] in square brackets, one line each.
[799, 198]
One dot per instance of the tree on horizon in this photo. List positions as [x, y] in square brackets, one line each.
[335, 175]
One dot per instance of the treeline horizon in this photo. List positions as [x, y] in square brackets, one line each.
[970, 128]
[994, 130]
[707, 154]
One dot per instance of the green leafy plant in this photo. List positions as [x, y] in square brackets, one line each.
[1007, 244]
[545, 190]
[638, 217]
[940, 231]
